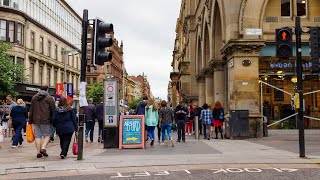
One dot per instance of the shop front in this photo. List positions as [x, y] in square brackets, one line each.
[279, 85]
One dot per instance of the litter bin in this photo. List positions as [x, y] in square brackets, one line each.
[238, 124]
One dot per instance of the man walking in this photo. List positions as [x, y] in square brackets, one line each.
[181, 116]
[141, 110]
[198, 110]
[98, 112]
[90, 120]
[41, 111]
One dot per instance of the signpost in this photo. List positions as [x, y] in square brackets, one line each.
[69, 92]
[131, 131]
[59, 91]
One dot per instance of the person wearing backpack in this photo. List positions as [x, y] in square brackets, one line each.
[218, 116]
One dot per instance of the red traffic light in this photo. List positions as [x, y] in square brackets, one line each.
[284, 35]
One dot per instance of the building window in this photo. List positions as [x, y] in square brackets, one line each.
[88, 80]
[95, 69]
[55, 78]
[20, 60]
[301, 8]
[88, 68]
[285, 8]
[41, 75]
[31, 69]
[11, 31]
[62, 77]
[55, 51]
[49, 48]
[6, 2]
[32, 41]
[68, 76]
[20, 34]
[94, 80]
[3, 30]
[48, 77]
[41, 45]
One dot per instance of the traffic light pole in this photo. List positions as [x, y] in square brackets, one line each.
[298, 32]
[85, 23]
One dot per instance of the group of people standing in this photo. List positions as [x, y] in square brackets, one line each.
[43, 115]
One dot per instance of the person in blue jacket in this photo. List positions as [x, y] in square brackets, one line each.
[19, 115]
[64, 120]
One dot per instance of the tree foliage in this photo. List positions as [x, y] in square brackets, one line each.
[134, 103]
[95, 91]
[10, 73]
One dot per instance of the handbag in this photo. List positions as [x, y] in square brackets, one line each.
[75, 146]
[29, 133]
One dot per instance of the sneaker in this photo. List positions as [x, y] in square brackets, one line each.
[44, 152]
[51, 138]
[178, 140]
[172, 144]
[186, 134]
[162, 143]
[189, 134]
[152, 142]
[39, 155]
[62, 156]
[208, 138]
[99, 139]
[14, 146]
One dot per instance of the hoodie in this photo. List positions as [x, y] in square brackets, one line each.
[141, 108]
[42, 108]
[64, 121]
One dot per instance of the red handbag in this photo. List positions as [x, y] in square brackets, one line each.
[75, 146]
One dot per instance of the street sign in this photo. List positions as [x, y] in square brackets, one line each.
[111, 103]
[253, 32]
[131, 131]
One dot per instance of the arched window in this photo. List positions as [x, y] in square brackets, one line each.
[285, 8]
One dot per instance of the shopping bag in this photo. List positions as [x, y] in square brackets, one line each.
[1, 134]
[75, 146]
[29, 133]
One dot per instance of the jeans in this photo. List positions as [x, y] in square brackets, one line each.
[65, 140]
[101, 134]
[18, 126]
[181, 130]
[206, 130]
[90, 128]
[150, 131]
[164, 127]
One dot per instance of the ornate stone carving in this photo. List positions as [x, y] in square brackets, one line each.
[246, 47]
[206, 71]
[217, 64]
[174, 76]
[184, 68]
[243, 7]
[199, 77]
[208, 5]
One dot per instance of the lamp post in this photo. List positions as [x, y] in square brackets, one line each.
[65, 54]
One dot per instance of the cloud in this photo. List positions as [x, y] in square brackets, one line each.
[147, 28]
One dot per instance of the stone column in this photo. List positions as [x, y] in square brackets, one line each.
[202, 90]
[59, 76]
[209, 88]
[243, 77]
[36, 74]
[45, 73]
[218, 83]
[26, 72]
[174, 94]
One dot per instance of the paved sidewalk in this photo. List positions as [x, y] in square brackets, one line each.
[23, 160]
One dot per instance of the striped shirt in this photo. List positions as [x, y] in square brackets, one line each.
[206, 115]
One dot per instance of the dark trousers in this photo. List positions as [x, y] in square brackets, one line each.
[159, 132]
[101, 134]
[18, 126]
[181, 130]
[200, 126]
[90, 128]
[65, 140]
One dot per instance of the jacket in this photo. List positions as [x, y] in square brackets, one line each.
[89, 112]
[141, 108]
[181, 116]
[98, 111]
[64, 121]
[42, 108]
[216, 113]
[19, 113]
[151, 117]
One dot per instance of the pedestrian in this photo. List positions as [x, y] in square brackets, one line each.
[158, 125]
[198, 110]
[9, 105]
[90, 120]
[190, 118]
[151, 119]
[98, 113]
[165, 120]
[5, 119]
[206, 115]
[218, 116]
[41, 111]
[19, 115]
[140, 110]
[180, 113]
[65, 122]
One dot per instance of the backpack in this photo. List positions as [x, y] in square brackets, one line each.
[221, 116]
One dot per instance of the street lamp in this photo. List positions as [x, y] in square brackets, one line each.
[65, 54]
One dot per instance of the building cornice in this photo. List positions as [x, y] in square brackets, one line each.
[242, 46]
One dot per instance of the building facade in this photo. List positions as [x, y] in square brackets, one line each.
[216, 56]
[40, 32]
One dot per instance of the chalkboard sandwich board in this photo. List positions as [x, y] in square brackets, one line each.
[131, 131]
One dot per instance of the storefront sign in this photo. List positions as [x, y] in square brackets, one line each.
[59, 91]
[131, 131]
[32, 89]
[284, 65]
[69, 92]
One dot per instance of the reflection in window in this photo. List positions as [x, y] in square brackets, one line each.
[31, 69]
[55, 51]
[301, 8]
[32, 41]
[48, 77]
[55, 77]
[6, 2]
[41, 74]
[49, 48]
[11, 31]
[41, 45]
[285, 8]
[3, 29]
[20, 60]
[20, 34]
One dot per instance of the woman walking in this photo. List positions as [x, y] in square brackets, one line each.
[218, 116]
[166, 118]
[151, 118]
[190, 118]
[64, 120]
[19, 115]
[206, 115]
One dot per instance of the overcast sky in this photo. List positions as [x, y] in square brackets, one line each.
[147, 28]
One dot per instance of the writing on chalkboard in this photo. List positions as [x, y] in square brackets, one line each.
[132, 126]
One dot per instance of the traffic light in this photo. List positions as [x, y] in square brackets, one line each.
[100, 42]
[314, 49]
[284, 42]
